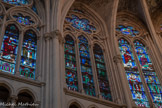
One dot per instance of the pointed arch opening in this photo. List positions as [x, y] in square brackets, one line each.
[132, 74]
[28, 54]
[102, 73]
[86, 66]
[70, 64]
[9, 49]
[149, 73]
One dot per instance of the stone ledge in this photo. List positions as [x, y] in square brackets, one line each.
[21, 79]
[93, 99]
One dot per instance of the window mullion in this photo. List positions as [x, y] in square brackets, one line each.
[80, 83]
[142, 76]
[3, 27]
[18, 59]
[94, 71]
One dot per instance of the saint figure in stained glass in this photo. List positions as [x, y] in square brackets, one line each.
[132, 73]
[151, 78]
[9, 49]
[28, 54]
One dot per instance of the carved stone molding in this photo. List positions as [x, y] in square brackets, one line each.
[47, 36]
[117, 59]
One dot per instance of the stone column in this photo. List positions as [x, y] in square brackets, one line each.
[18, 59]
[47, 37]
[121, 70]
[94, 71]
[79, 74]
[56, 39]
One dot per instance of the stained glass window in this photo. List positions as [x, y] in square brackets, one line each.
[129, 30]
[161, 26]
[86, 69]
[132, 73]
[28, 55]
[150, 76]
[17, 2]
[9, 49]
[23, 19]
[34, 8]
[70, 64]
[101, 73]
[81, 24]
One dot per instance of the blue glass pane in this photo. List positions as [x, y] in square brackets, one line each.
[81, 24]
[127, 30]
[23, 19]
[150, 75]
[17, 2]
[86, 69]
[70, 64]
[34, 8]
[28, 54]
[9, 49]
[101, 73]
[132, 73]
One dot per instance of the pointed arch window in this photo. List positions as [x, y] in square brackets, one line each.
[132, 73]
[149, 73]
[70, 64]
[86, 68]
[28, 54]
[9, 49]
[140, 72]
[101, 73]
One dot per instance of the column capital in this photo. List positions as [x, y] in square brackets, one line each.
[47, 36]
[56, 34]
[117, 59]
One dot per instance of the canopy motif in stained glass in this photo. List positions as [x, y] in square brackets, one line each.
[86, 69]
[17, 2]
[129, 30]
[23, 19]
[70, 64]
[81, 24]
[132, 73]
[101, 73]
[151, 78]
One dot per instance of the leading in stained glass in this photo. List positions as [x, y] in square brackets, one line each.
[101, 73]
[17, 2]
[129, 30]
[132, 73]
[86, 69]
[9, 49]
[70, 64]
[28, 54]
[26, 20]
[150, 76]
[81, 24]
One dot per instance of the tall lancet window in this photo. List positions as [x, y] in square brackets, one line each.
[86, 68]
[143, 81]
[150, 76]
[102, 73]
[28, 54]
[9, 49]
[132, 73]
[70, 64]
